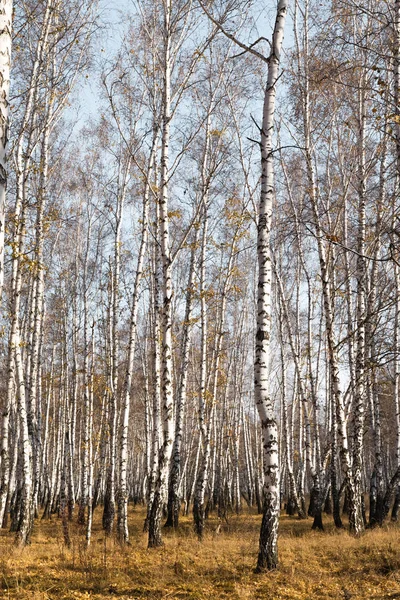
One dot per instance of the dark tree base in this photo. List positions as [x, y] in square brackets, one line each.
[199, 518]
[318, 520]
[268, 548]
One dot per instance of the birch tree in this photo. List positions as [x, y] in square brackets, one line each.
[268, 548]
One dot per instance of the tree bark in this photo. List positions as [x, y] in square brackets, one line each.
[268, 544]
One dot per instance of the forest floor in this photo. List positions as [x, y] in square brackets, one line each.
[323, 565]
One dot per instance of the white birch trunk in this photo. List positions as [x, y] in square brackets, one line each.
[122, 524]
[293, 504]
[161, 490]
[396, 96]
[174, 501]
[156, 331]
[109, 499]
[268, 544]
[356, 521]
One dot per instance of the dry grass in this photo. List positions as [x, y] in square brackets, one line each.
[312, 565]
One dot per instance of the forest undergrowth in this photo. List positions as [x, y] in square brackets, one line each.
[325, 565]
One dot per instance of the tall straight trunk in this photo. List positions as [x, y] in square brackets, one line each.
[72, 408]
[5, 452]
[16, 372]
[26, 512]
[174, 20]
[109, 499]
[334, 474]
[349, 298]
[268, 543]
[319, 490]
[122, 521]
[396, 87]
[328, 304]
[194, 476]
[236, 460]
[156, 364]
[197, 513]
[85, 425]
[161, 488]
[174, 501]
[98, 485]
[377, 479]
[317, 493]
[356, 521]
[38, 306]
[23, 159]
[64, 487]
[396, 387]
[248, 460]
[341, 421]
[294, 504]
[89, 389]
[49, 402]
[112, 383]
[147, 415]
[396, 96]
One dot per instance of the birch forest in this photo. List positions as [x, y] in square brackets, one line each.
[200, 299]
